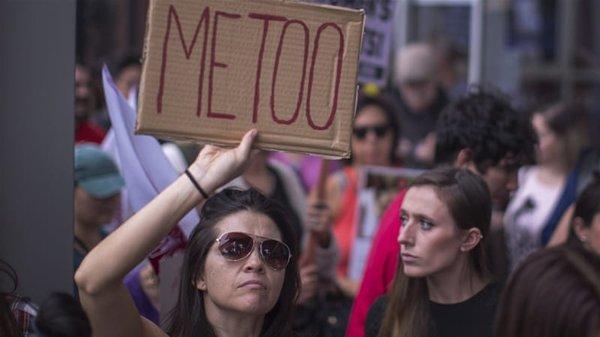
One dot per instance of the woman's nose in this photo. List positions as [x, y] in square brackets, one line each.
[406, 236]
[254, 262]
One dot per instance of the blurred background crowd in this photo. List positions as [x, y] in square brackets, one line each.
[535, 62]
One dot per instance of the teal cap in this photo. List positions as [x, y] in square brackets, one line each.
[96, 172]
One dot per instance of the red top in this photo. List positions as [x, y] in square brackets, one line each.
[86, 132]
[380, 268]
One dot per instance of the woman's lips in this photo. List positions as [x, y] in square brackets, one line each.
[408, 258]
[253, 284]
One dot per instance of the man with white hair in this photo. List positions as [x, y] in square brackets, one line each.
[420, 99]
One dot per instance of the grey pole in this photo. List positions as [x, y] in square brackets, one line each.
[37, 56]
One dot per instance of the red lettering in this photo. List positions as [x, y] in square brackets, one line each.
[277, 56]
[188, 52]
[338, 74]
[214, 63]
[261, 53]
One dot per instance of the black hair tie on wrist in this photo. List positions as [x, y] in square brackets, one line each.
[204, 194]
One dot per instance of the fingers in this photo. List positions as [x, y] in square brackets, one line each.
[245, 146]
[308, 280]
[244, 149]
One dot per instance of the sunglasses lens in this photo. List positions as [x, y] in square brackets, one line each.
[380, 131]
[276, 254]
[235, 246]
[360, 133]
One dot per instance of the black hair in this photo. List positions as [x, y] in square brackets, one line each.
[485, 123]
[130, 59]
[384, 103]
[60, 315]
[188, 318]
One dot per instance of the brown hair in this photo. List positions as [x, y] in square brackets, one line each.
[468, 199]
[554, 293]
[568, 122]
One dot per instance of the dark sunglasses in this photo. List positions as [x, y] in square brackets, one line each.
[235, 246]
[379, 130]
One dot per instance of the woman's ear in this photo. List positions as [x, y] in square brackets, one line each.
[580, 230]
[200, 284]
[464, 158]
[471, 239]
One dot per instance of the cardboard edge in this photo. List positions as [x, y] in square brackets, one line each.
[151, 7]
[304, 4]
[147, 31]
[331, 154]
[356, 92]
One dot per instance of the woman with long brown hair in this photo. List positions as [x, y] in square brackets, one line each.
[442, 287]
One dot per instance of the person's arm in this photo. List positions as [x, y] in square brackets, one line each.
[100, 276]
[561, 233]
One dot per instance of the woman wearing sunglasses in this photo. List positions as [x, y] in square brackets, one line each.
[239, 276]
[443, 286]
[374, 139]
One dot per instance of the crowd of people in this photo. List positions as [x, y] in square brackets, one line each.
[498, 235]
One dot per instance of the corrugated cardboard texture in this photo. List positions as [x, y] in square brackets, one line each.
[209, 66]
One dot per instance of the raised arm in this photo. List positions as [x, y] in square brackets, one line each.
[100, 276]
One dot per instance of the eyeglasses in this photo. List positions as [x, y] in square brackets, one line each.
[235, 246]
[379, 130]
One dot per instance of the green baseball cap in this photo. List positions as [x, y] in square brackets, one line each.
[96, 172]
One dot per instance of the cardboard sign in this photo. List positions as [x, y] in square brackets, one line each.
[214, 69]
[377, 187]
[374, 62]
